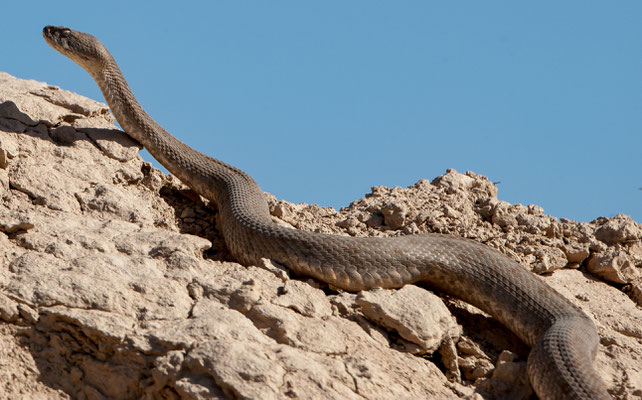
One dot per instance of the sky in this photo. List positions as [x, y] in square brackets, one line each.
[319, 101]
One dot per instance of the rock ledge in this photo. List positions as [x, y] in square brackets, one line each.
[115, 282]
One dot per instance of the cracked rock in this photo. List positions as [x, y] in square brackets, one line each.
[427, 323]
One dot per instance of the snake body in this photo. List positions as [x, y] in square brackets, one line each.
[562, 338]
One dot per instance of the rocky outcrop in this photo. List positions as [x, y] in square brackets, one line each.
[115, 282]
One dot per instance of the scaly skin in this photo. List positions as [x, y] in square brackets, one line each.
[563, 339]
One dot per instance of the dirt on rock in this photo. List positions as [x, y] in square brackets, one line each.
[115, 281]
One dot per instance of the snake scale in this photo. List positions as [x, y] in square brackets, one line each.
[562, 338]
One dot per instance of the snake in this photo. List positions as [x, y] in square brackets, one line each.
[563, 340]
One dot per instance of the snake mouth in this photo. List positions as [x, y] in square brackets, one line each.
[82, 48]
[54, 34]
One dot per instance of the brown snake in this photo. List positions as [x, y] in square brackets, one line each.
[563, 339]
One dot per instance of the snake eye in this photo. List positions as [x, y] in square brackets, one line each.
[65, 33]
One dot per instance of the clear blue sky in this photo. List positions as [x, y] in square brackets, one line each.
[319, 101]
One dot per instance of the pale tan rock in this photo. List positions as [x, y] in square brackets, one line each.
[616, 265]
[12, 221]
[508, 379]
[38, 101]
[427, 323]
[394, 215]
[304, 299]
[619, 229]
[20, 373]
[549, 259]
[8, 309]
[473, 361]
[115, 282]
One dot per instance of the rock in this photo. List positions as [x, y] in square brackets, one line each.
[8, 309]
[427, 324]
[473, 361]
[394, 215]
[636, 291]
[616, 265]
[619, 229]
[115, 281]
[508, 378]
[576, 253]
[549, 259]
[11, 221]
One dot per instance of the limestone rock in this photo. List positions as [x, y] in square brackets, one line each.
[115, 281]
[426, 324]
[619, 229]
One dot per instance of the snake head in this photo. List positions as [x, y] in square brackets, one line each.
[83, 48]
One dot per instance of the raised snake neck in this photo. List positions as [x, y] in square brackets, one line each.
[563, 339]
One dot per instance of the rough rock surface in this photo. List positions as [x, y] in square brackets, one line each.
[115, 282]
